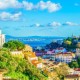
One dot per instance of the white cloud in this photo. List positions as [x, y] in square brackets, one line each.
[37, 25]
[28, 5]
[48, 5]
[8, 16]
[4, 4]
[70, 24]
[54, 24]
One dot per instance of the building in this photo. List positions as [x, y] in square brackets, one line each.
[65, 57]
[2, 39]
[2, 71]
[77, 52]
[1, 76]
[32, 58]
[72, 77]
[37, 63]
[77, 71]
[60, 50]
[17, 54]
[28, 48]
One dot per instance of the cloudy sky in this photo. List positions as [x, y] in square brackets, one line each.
[40, 17]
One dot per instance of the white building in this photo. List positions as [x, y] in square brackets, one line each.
[78, 52]
[2, 39]
[17, 53]
[67, 57]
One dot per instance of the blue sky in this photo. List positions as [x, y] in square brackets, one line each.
[40, 17]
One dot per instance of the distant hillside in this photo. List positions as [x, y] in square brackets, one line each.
[35, 40]
[54, 37]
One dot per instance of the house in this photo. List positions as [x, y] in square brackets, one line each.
[40, 53]
[2, 71]
[37, 63]
[30, 56]
[33, 59]
[77, 52]
[77, 71]
[71, 71]
[72, 77]
[28, 48]
[17, 53]
[1, 75]
[60, 50]
[64, 57]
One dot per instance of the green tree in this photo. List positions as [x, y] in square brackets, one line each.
[14, 45]
[74, 64]
[19, 68]
[78, 60]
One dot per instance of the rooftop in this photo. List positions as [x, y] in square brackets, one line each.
[72, 76]
[77, 69]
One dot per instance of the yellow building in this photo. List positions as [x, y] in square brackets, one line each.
[1, 73]
[17, 54]
[31, 56]
[1, 76]
[28, 48]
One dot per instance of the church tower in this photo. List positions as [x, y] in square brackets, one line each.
[2, 39]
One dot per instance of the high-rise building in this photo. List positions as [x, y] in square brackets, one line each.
[2, 39]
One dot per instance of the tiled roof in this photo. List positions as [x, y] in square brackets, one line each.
[35, 62]
[64, 54]
[77, 69]
[72, 76]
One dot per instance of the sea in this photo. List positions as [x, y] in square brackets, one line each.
[35, 41]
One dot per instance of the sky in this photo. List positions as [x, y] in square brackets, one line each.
[40, 17]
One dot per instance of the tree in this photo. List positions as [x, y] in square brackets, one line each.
[62, 70]
[14, 45]
[78, 45]
[19, 68]
[78, 60]
[74, 64]
[67, 42]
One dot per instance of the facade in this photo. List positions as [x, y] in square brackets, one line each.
[60, 50]
[72, 77]
[66, 57]
[17, 53]
[33, 59]
[37, 63]
[28, 48]
[1, 73]
[77, 71]
[78, 52]
[2, 39]
[1, 76]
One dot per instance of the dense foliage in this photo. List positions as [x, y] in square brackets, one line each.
[19, 68]
[75, 64]
[14, 45]
[70, 43]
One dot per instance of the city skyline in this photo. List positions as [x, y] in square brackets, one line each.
[40, 17]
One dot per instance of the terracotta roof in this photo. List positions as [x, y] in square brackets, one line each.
[31, 54]
[64, 54]
[35, 62]
[72, 76]
[77, 69]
